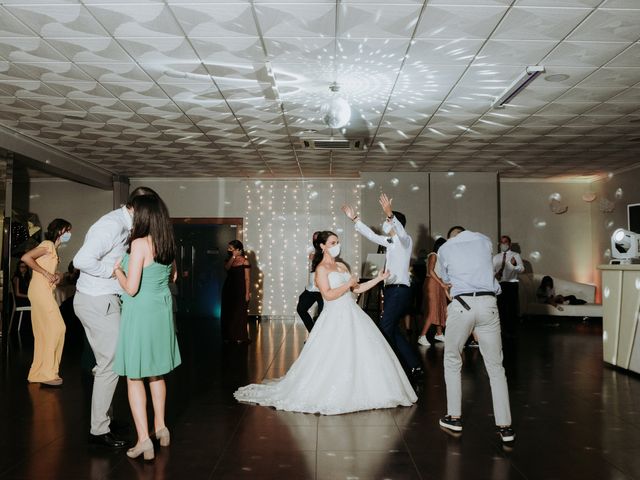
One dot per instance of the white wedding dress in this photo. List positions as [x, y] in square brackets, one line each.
[345, 366]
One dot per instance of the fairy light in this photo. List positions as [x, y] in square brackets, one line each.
[357, 193]
[296, 223]
[244, 232]
[332, 209]
[284, 248]
[270, 275]
[261, 244]
[278, 221]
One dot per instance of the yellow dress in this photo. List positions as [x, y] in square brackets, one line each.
[46, 320]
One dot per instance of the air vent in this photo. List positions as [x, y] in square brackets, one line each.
[332, 144]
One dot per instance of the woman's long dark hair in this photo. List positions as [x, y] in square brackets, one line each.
[546, 281]
[319, 254]
[151, 217]
[438, 243]
[55, 229]
[237, 244]
[27, 274]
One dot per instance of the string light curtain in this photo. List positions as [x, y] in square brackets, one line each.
[280, 217]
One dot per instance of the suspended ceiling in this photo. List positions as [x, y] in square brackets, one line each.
[182, 88]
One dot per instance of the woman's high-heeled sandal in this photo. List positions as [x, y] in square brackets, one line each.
[163, 436]
[145, 448]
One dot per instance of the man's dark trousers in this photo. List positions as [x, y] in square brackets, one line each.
[305, 302]
[397, 303]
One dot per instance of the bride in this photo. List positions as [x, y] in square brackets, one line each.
[346, 364]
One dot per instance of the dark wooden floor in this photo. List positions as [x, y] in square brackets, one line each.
[574, 418]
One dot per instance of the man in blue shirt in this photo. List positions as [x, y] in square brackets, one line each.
[466, 262]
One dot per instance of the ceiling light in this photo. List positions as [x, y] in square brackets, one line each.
[336, 112]
[518, 85]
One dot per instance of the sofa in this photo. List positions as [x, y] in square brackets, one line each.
[529, 306]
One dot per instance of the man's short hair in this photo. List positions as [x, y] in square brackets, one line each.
[401, 218]
[452, 229]
[507, 237]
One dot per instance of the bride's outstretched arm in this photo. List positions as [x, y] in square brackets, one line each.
[363, 287]
[328, 293]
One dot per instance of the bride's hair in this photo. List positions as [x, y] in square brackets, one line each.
[322, 238]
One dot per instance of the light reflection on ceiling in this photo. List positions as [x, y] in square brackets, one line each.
[185, 88]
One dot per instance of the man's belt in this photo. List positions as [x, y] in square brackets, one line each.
[396, 285]
[471, 294]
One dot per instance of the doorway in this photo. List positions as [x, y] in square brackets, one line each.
[201, 253]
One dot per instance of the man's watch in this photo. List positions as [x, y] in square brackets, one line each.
[390, 217]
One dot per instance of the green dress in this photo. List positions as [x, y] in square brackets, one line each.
[147, 344]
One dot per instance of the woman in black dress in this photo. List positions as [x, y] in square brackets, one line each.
[235, 295]
[21, 281]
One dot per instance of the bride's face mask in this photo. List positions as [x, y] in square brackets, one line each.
[334, 251]
[332, 247]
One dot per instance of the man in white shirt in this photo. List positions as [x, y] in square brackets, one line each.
[311, 293]
[97, 305]
[507, 265]
[397, 293]
[465, 262]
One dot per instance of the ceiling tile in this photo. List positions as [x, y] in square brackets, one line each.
[514, 52]
[58, 21]
[229, 50]
[159, 50]
[539, 23]
[95, 49]
[136, 20]
[296, 20]
[629, 58]
[28, 49]
[216, 20]
[609, 26]
[10, 26]
[453, 22]
[377, 20]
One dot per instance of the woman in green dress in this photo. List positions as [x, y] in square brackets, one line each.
[147, 345]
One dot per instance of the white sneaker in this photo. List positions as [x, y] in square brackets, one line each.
[422, 340]
[439, 338]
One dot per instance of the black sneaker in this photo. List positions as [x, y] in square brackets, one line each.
[449, 423]
[416, 375]
[506, 434]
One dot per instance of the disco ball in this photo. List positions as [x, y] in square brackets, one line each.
[336, 113]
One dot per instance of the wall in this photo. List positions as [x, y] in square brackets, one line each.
[279, 219]
[568, 246]
[554, 244]
[77, 203]
[466, 199]
[615, 191]
[410, 195]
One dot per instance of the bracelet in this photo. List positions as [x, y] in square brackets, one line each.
[355, 219]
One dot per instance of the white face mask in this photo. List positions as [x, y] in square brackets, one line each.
[504, 247]
[387, 227]
[334, 251]
[65, 237]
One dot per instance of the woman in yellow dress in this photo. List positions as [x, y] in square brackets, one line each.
[46, 320]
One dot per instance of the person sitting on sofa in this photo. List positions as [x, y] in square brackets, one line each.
[547, 294]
